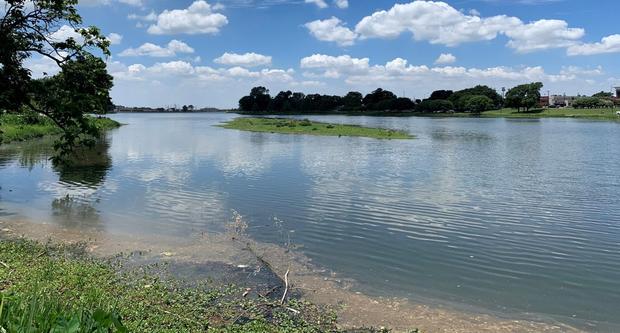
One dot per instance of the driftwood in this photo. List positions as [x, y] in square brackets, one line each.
[285, 287]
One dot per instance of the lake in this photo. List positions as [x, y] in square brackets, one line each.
[511, 216]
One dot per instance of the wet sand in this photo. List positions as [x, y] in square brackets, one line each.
[354, 309]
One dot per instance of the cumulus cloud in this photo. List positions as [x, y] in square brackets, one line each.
[150, 17]
[445, 58]
[609, 44]
[319, 3]
[439, 23]
[115, 38]
[64, 33]
[198, 18]
[358, 71]
[542, 35]
[342, 4]
[331, 30]
[184, 70]
[153, 50]
[244, 60]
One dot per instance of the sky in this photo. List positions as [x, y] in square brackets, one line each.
[210, 53]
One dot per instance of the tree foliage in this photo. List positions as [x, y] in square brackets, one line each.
[478, 104]
[592, 103]
[524, 96]
[461, 97]
[27, 28]
[435, 105]
[441, 94]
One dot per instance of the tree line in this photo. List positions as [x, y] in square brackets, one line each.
[474, 100]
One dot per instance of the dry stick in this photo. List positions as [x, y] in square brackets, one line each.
[285, 287]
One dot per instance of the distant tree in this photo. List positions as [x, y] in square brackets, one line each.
[592, 102]
[184, 108]
[246, 103]
[352, 101]
[261, 98]
[603, 94]
[437, 105]
[460, 98]
[478, 104]
[281, 101]
[379, 100]
[524, 96]
[441, 94]
[403, 104]
[258, 100]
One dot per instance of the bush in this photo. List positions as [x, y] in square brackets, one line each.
[478, 104]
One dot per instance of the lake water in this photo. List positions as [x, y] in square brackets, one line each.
[512, 216]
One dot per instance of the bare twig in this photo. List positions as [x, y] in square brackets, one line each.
[285, 287]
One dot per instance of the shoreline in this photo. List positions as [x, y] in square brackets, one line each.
[354, 309]
[568, 113]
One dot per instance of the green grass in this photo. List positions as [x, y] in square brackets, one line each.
[58, 288]
[15, 128]
[294, 126]
[602, 114]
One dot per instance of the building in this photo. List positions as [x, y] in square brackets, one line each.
[544, 102]
[617, 92]
[562, 100]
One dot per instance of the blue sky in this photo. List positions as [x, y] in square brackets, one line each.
[210, 53]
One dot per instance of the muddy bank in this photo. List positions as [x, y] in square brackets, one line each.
[261, 267]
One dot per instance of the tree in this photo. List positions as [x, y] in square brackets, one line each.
[441, 94]
[437, 105]
[592, 102]
[524, 96]
[403, 104]
[460, 98]
[83, 85]
[352, 101]
[478, 104]
[379, 95]
[603, 94]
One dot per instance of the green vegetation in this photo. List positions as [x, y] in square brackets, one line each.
[82, 84]
[58, 288]
[524, 96]
[31, 126]
[601, 114]
[293, 126]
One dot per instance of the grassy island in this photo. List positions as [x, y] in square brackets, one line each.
[305, 126]
[15, 128]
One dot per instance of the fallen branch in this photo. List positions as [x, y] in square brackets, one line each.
[285, 287]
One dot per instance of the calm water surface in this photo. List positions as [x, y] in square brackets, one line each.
[515, 216]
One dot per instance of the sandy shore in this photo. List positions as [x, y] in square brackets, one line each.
[354, 308]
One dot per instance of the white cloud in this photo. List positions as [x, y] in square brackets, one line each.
[137, 3]
[342, 4]
[359, 72]
[244, 60]
[331, 30]
[436, 22]
[319, 3]
[439, 23]
[542, 35]
[609, 44]
[445, 58]
[115, 38]
[150, 17]
[198, 18]
[153, 50]
[186, 71]
[64, 33]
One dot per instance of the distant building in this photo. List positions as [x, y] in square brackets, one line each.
[544, 101]
[562, 100]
